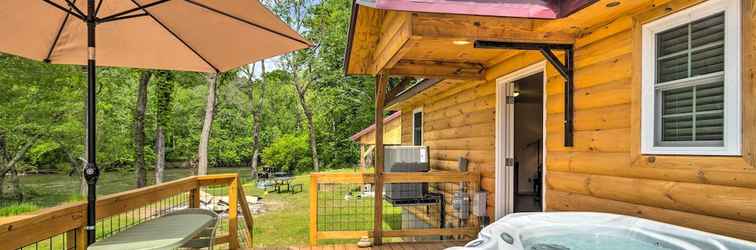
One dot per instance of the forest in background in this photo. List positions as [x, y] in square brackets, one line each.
[296, 116]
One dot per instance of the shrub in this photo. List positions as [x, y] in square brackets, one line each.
[289, 153]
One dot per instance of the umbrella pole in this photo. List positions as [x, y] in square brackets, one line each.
[91, 172]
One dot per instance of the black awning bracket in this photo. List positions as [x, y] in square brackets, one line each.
[565, 69]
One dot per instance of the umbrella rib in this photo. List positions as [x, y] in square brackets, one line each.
[57, 36]
[248, 22]
[64, 9]
[178, 38]
[125, 12]
[73, 6]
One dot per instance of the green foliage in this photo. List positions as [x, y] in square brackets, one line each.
[288, 153]
[49, 100]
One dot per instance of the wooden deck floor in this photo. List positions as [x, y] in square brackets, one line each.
[387, 246]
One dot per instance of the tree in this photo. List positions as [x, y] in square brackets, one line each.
[257, 111]
[163, 91]
[207, 124]
[139, 138]
[294, 12]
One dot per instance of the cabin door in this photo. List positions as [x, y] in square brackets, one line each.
[520, 121]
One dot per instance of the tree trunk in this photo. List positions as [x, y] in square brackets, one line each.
[212, 81]
[83, 187]
[160, 151]
[258, 120]
[10, 167]
[301, 93]
[15, 187]
[141, 107]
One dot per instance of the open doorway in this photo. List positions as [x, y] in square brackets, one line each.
[520, 138]
[528, 143]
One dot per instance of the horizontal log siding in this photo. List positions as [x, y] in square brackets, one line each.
[604, 171]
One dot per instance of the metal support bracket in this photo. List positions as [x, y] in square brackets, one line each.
[566, 69]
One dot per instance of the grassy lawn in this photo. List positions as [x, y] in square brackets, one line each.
[49, 190]
[287, 221]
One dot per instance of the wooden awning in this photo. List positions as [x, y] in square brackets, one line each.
[435, 41]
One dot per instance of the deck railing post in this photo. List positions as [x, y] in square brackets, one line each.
[313, 209]
[194, 197]
[233, 208]
[380, 95]
[81, 232]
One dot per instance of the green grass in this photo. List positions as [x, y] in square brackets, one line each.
[19, 208]
[55, 189]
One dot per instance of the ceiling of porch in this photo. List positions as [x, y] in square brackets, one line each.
[433, 45]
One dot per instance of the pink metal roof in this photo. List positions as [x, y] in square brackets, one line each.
[386, 120]
[543, 9]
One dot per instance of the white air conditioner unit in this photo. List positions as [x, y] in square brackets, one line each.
[405, 159]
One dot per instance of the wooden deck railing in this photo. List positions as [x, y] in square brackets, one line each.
[62, 227]
[336, 211]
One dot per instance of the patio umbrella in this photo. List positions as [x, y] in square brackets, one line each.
[188, 35]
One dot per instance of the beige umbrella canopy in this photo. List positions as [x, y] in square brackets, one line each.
[188, 35]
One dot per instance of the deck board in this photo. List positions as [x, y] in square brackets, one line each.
[387, 246]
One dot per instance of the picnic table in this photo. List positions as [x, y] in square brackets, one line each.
[167, 232]
[282, 181]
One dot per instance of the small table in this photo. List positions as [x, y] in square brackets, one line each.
[167, 232]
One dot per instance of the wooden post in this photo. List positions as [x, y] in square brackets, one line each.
[313, 209]
[81, 231]
[380, 88]
[233, 208]
[194, 197]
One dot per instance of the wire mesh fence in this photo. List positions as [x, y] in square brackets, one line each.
[415, 206]
[344, 207]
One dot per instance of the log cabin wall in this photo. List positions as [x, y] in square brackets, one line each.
[605, 170]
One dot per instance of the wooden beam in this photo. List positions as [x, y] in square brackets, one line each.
[342, 234]
[393, 43]
[412, 91]
[438, 69]
[313, 209]
[366, 32]
[233, 213]
[466, 27]
[380, 87]
[467, 231]
[341, 178]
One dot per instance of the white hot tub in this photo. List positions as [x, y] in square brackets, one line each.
[595, 231]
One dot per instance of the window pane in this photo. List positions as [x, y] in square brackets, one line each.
[673, 68]
[418, 128]
[677, 101]
[707, 30]
[710, 97]
[709, 60]
[678, 128]
[709, 127]
[672, 41]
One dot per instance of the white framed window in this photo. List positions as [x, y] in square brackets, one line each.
[417, 126]
[691, 81]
